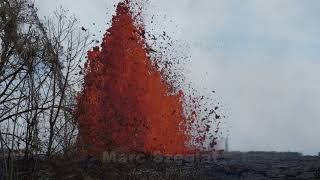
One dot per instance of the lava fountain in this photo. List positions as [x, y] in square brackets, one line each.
[125, 104]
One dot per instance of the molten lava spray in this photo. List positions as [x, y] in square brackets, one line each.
[125, 103]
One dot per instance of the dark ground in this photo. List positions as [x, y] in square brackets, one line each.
[227, 166]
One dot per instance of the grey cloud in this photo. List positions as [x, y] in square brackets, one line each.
[260, 56]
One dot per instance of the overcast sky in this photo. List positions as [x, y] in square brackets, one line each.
[261, 57]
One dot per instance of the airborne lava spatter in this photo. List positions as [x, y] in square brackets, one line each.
[125, 104]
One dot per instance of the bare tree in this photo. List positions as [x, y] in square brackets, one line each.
[40, 69]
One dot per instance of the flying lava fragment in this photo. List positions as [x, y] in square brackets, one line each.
[125, 104]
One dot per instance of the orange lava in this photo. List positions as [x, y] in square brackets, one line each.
[125, 104]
